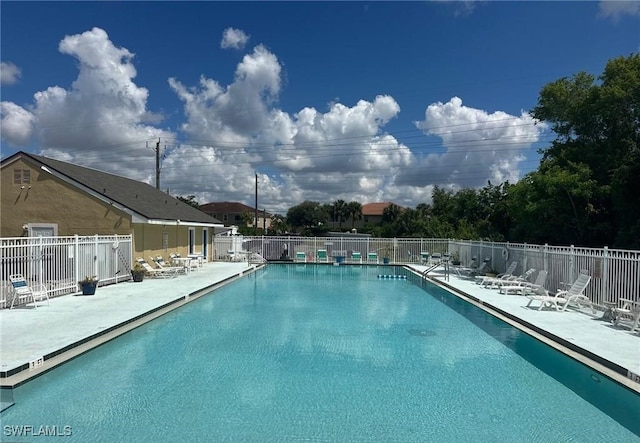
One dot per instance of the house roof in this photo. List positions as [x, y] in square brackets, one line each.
[228, 208]
[144, 200]
[374, 208]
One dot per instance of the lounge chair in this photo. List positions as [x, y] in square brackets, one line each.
[510, 280]
[161, 264]
[321, 256]
[356, 257]
[527, 288]
[563, 298]
[301, 257]
[630, 310]
[156, 272]
[484, 281]
[22, 293]
[424, 258]
[372, 257]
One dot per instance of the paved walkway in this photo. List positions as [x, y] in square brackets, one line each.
[34, 340]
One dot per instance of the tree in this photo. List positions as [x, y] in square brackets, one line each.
[598, 135]
[278, 224]
[309, 216]
[339, 211]
[190, 200]
[354, 211]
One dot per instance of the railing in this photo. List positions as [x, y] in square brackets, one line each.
[59, 263]
[615, 272]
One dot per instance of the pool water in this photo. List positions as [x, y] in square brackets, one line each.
[324, 354]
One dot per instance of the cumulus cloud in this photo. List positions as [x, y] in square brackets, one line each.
[310, 154]
[9, 73]
[236, 130]
[234, 39]
[479, 146]
[615, 9]
[102, 108]
[16, 123]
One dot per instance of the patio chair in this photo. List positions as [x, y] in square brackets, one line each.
[23, 293]
[372, 257]
[161, 264]
[301, 257]
[510, 280]
[630, 310]
[484, 281]
[156, 272]
[435, 259]
[424, 258]
[321, 256]
[563, 298]
[356, 257]
[527, 288]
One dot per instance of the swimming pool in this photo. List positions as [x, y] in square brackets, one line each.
[323, 353]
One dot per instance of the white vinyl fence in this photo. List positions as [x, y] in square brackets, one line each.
[615, 272]
[59, 263]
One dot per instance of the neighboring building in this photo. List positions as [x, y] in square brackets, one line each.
[231, 214]
[372, 214]
[41, 196]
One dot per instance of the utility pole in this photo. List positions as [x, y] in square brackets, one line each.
[158, 164]
[255, 224]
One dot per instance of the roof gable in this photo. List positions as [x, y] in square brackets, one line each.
[141, 198]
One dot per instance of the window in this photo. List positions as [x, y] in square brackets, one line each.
[225, 217]
[21, 176]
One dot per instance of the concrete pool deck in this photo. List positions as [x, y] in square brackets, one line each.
[33, 341]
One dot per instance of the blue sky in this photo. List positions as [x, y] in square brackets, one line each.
[365, 101]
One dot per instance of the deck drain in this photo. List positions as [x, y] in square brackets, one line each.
[422, 332]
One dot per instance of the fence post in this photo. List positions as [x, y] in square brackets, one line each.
[95, 257]
[76, 252]
[605, 274]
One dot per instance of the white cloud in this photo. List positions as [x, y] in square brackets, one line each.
[310, 155]
[479, 146]
[234, 38]
[615, 9]
[16, 123]
[9, 73]
[234, 130]
[102, 108]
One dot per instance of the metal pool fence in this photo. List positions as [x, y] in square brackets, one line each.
[615, 272]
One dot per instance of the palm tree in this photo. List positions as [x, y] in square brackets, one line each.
[339, 211]
[354, 210]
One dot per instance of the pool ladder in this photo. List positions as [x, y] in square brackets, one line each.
[444, 263]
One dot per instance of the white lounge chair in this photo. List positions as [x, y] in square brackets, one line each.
[509, 280]
[372, 257]
[301, 257]
[161, 264]
[155, 272]
[22, 293]
[356, 257]
[484, 281]
[563, 298]
[630, 311]
[527, 288]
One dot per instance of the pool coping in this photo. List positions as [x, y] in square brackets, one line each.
[17, 376]
[614, 371]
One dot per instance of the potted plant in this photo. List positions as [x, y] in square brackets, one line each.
[137, 273]
[386, 252]
[89, 285]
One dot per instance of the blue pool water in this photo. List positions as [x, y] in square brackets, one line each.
[322, 354]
